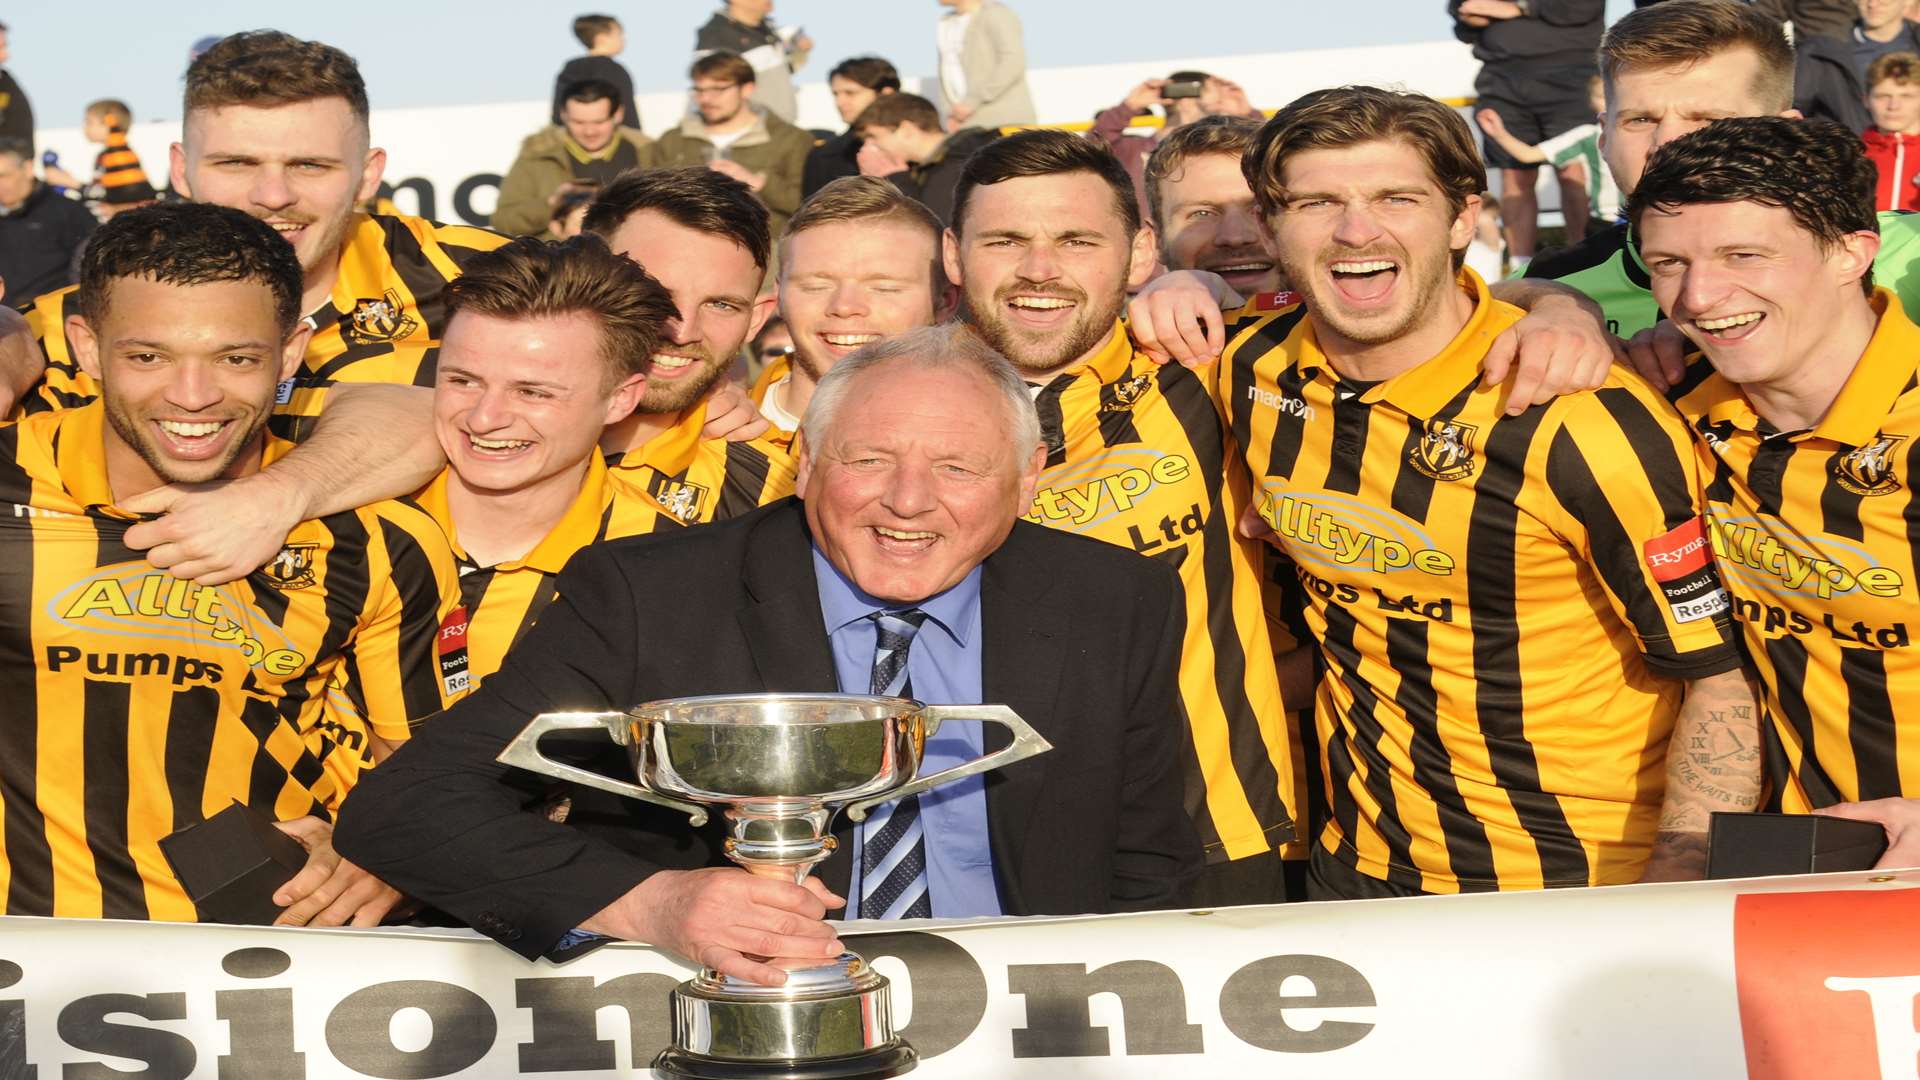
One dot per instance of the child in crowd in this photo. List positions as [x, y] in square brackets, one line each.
[1487, 254]
[1580, 144]
[1893, 142]
[119, 183]
[605, 39]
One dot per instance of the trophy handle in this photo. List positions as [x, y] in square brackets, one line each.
[1026, 743]
[524, 753]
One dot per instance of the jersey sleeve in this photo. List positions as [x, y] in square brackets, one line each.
[1566, 146]
[408, 660]
[757, 472]
[1621, 466]
[63, 385]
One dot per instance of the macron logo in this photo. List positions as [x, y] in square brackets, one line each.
[1273, 399]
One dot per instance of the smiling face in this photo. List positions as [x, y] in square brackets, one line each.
[1651, 107]
[1211, 224]
[845, 284]
[1747, 284]
[521, 401]
[714, 282]
[916, 481]
[187, 376]
[1368, 237]
[300, 168]
[1043, 263]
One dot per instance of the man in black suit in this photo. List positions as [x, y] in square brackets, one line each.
[920, 454]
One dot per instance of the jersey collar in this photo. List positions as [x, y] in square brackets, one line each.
[80, 455]
[675, 449]
[1109, 363]
[1869, 394]
[575, 529]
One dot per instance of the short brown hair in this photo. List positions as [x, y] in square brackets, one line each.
[866, 198]
[723, 65]
[532, 278]
[267, 68]
[1228, 136]
[891, 110]
[1899, 67]
[1046, 152]
[1350, 115]
[1815, 170]
[696, 197]
[588, 28]
[1681, 33]
[113, 111]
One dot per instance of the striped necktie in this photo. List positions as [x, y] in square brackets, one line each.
[893, 851]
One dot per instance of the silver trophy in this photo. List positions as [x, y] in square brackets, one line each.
[782, 765]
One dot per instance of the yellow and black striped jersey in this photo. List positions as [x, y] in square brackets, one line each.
[499, 603]
[1500, 618]
[699, 480]
[1814, 532]
[382, 324]
[1137, 456]
[133, 704]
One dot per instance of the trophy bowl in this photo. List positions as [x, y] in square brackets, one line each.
[780, 767]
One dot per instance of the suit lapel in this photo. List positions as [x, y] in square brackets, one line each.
[1025, 630]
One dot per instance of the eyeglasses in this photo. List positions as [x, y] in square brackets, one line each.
[776, 352]
[710, 91]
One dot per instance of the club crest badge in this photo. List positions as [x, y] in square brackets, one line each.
[683, 500]
[1126, 393]
[1868, 470]
[1445, 451]
[292, 568]
[376, 321]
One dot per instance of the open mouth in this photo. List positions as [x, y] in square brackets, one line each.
[1364, 281]
[840, 344]
[1041, 311]
[903, 541]
[671, 366]
[1730, 327]
[290, 231]
[1244, 274]
[193, 440]
[496, 449]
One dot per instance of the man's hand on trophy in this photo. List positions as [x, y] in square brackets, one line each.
[723, 917]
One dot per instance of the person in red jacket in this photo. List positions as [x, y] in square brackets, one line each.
[1893, 142]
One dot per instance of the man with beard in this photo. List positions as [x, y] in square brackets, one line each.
[277, 127]
[139, 703]
[704, 236]
[1513, 614]
[1045, 241]
[859, 262]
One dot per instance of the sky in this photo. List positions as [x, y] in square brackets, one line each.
[476, 51]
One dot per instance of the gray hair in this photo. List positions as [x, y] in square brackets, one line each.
[950, 345]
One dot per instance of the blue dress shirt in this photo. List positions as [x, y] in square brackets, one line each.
[943, 665]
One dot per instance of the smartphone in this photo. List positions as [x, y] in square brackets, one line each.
[1186, 88]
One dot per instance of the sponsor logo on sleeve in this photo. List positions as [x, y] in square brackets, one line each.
[451, 650]
[1681, 561]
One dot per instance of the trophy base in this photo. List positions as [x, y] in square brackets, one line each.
[877, 1064]
[831, 1021]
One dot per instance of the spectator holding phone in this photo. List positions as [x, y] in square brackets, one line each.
[1184, 96]
[590, 147]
